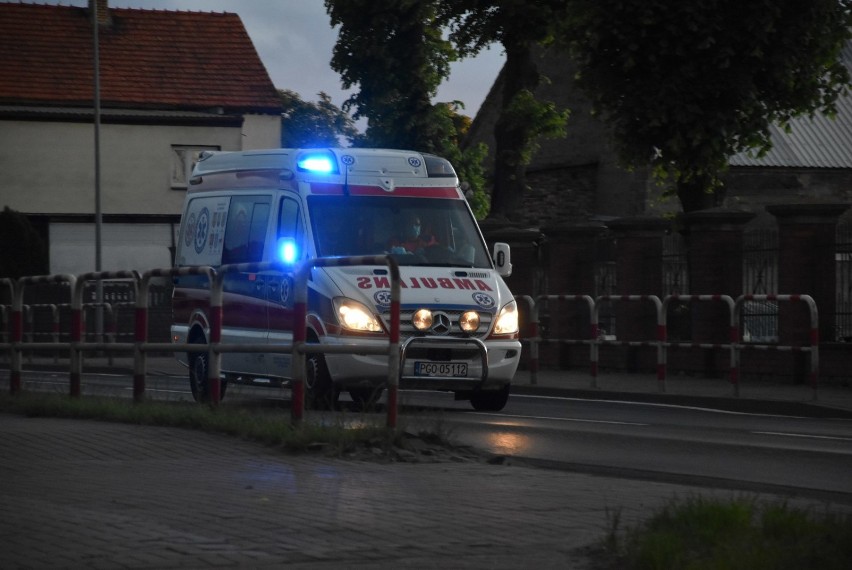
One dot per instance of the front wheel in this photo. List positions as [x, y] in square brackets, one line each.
[366, 398]
[490, 400]
[321, 392]
[199, 372]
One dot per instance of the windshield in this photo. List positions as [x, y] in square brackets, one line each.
[416, 231]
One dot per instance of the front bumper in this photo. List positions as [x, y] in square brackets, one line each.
[491, 365]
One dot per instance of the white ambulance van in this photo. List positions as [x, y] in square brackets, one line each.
[459, 322]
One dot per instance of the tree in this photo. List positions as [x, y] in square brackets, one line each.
[395, 53]
[519, 26]
[309, 125]
[24, 251]
[686, 85]
[466, 161]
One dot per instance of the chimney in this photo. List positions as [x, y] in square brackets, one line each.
[104, 18]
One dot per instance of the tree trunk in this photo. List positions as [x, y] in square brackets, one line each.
[693, 195]
[512, 134]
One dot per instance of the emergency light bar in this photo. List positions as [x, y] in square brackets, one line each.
[319, 162]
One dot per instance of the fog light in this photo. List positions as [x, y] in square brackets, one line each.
[469, 321]
[422, 319]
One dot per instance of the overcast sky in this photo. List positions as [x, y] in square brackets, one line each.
[295, 40]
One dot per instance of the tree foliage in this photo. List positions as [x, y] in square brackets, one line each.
[309, 125]
[393, 51]
[519, 26]
[685, 85]
[24, 251]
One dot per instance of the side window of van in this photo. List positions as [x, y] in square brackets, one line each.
[289, 222]
[245, 232]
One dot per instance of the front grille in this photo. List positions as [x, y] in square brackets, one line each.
[406, 329]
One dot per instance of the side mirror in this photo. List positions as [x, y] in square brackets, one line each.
[503, 259]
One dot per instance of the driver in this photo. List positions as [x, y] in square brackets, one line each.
[411, 239]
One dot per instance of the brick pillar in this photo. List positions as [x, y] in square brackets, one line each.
[715, 254]
[570, 253]
[806, 266]
[639, 262]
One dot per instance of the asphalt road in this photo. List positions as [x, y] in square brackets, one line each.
[755, 452]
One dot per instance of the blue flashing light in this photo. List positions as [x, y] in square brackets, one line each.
[319, 163]
[287, 251]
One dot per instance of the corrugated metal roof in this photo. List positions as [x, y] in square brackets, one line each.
[818, 142]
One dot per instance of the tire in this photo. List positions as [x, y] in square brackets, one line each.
[366, 398]
[490, 400]
[199, 369]
[320, 392]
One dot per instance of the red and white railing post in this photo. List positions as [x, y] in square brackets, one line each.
[813, 334]
[300, 308]
[532, 335]
[77, 328]
[17, 323]
[660, 337]
[214, 359]
[536, 339]
[731, 345]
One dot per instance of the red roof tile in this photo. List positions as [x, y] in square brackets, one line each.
[148, 58]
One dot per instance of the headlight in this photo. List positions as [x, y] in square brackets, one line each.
[355, 316]
[469, 321]
[507, 320]
[422, 319]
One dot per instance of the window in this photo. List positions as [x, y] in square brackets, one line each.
[183, 161]
[289, 223]
[245, 232]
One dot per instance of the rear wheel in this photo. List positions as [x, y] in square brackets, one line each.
[199, 372]
[490, 400]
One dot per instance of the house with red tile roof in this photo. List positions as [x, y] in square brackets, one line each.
[171, 85]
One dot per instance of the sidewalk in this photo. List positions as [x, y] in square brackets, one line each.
[88, 494]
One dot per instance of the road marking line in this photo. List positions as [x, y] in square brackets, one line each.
[576, 420]
[804, 435]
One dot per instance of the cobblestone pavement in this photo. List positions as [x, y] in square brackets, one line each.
[78, 493]
[87, 494]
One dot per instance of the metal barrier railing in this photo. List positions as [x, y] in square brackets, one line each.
[661, 343]
[733, 332]
[812, 348]
[298, 348]
[140, 346]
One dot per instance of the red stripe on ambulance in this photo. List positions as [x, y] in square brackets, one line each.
[364, 190]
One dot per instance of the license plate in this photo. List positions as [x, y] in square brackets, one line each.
[454, 369]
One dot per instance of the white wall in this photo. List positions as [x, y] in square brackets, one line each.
[49, 167]
[261, 131]
[124, 246]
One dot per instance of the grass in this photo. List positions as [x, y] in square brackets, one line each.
[272, 428]
[709, 534]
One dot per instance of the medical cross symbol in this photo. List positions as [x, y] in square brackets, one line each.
[201, 230]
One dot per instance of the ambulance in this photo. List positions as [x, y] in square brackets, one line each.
[459, 321]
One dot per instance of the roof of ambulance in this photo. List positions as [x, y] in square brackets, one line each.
[356, 161]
